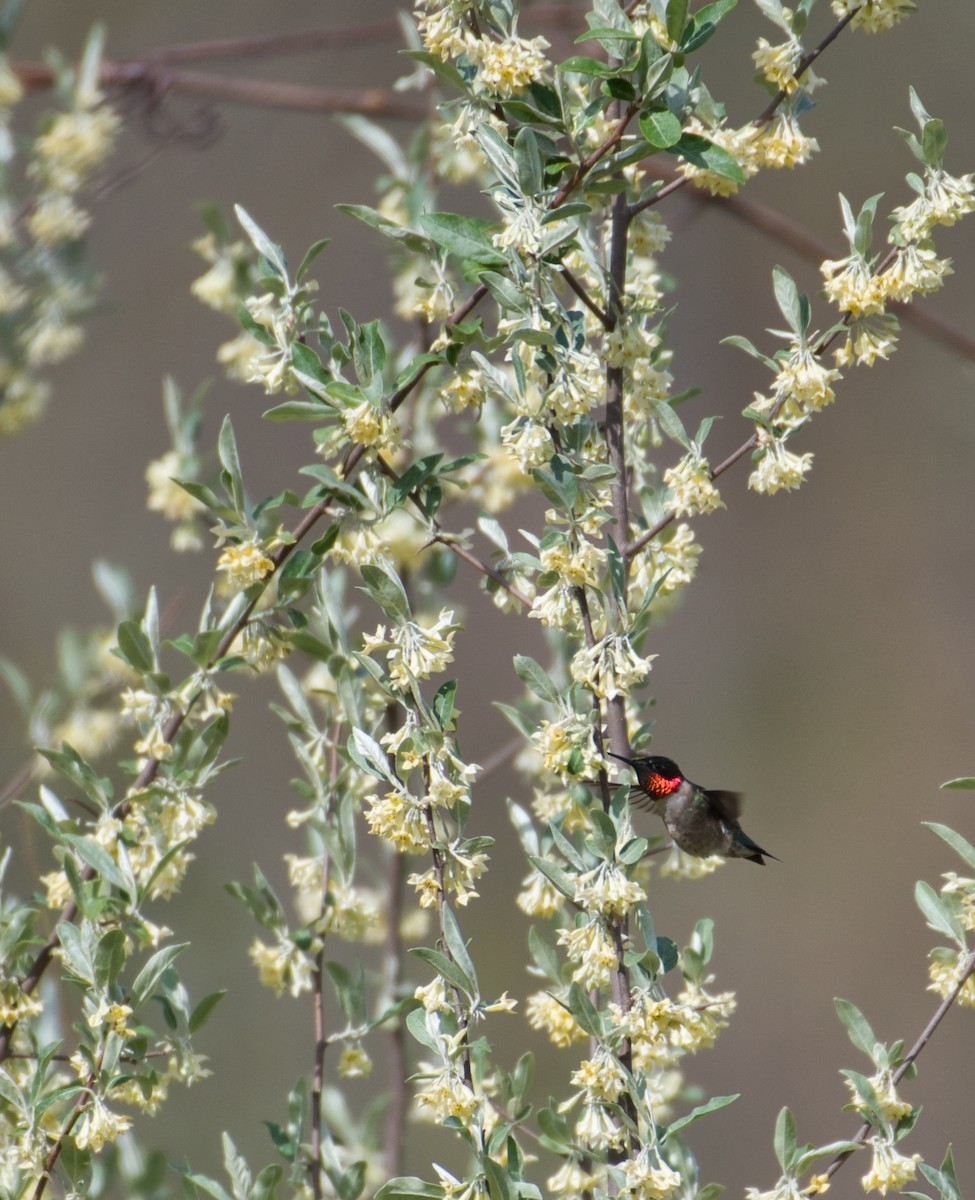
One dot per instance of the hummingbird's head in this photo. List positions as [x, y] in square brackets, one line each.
[658, 776]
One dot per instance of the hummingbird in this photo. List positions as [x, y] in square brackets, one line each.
[701, 821]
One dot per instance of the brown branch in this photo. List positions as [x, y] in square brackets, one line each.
[158, 79]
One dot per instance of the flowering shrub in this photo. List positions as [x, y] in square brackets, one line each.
[542, 348]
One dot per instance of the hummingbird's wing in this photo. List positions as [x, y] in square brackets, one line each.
[724, 805]
[640, 799]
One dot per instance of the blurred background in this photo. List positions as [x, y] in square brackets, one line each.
[822, 663]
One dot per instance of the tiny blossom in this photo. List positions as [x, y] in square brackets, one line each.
[648, 1177]
[414, 651]
[779, 468]
[888, 1103]
[507, 68]
[370, 426]
[964, 889]
[98, 1126]
[852, 287]
[780, 144]
[165, 494]
[611, 667]
[874, 16]
[459, 872]
[443, 29]
[529, 442]
[465, 390]
[282, 966]
[606, 890]
[563, 806]
[50, 339]
[691, 486]
[678, 865]
[601, 1076]
[778, 63]
[56, 218]
[354, 1062]
[578, 566]
[568, 747]
[703, 1016]
[671, 564]
[916, 269]
[538, 897]
[434, 996]
[522, 229]
[945, 973]
[786, 1189]
[400, 820]
[591, 949]
[245, 563]
[11, 88]
[889, 1170]
[805, 380]
[15, 1004]
[869, 339]
[944, 200]
[598, 1129]
[74, 144]
[570, 1182]
[545, 1013]
[447, 1095]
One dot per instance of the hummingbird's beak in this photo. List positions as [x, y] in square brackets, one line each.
[621, 757]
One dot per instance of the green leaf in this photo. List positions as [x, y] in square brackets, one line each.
[959, 844]
[230, 460]
[584, 1011]
[135, 648]
[201, 1013]
[938, 913]
[414, 242]
[311, 254]
[387, 591]
[204, 1183]
[704, 154]
[704, 23]
[408, 1187]
[934, 141]
[262, 243]
[857, 1026]
[97, 857]
[368, 352]
[661, 129]
[109, 958]
[543, 955]
[562, 881]
[446, 968]
[443, 704]
[466, 237]
[149, 976]
[369, 755]
[457, 947]
[787, 298]
[535, 678]
[676, 18]
[965, 783]
[785, 1140]
[702, 1110]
